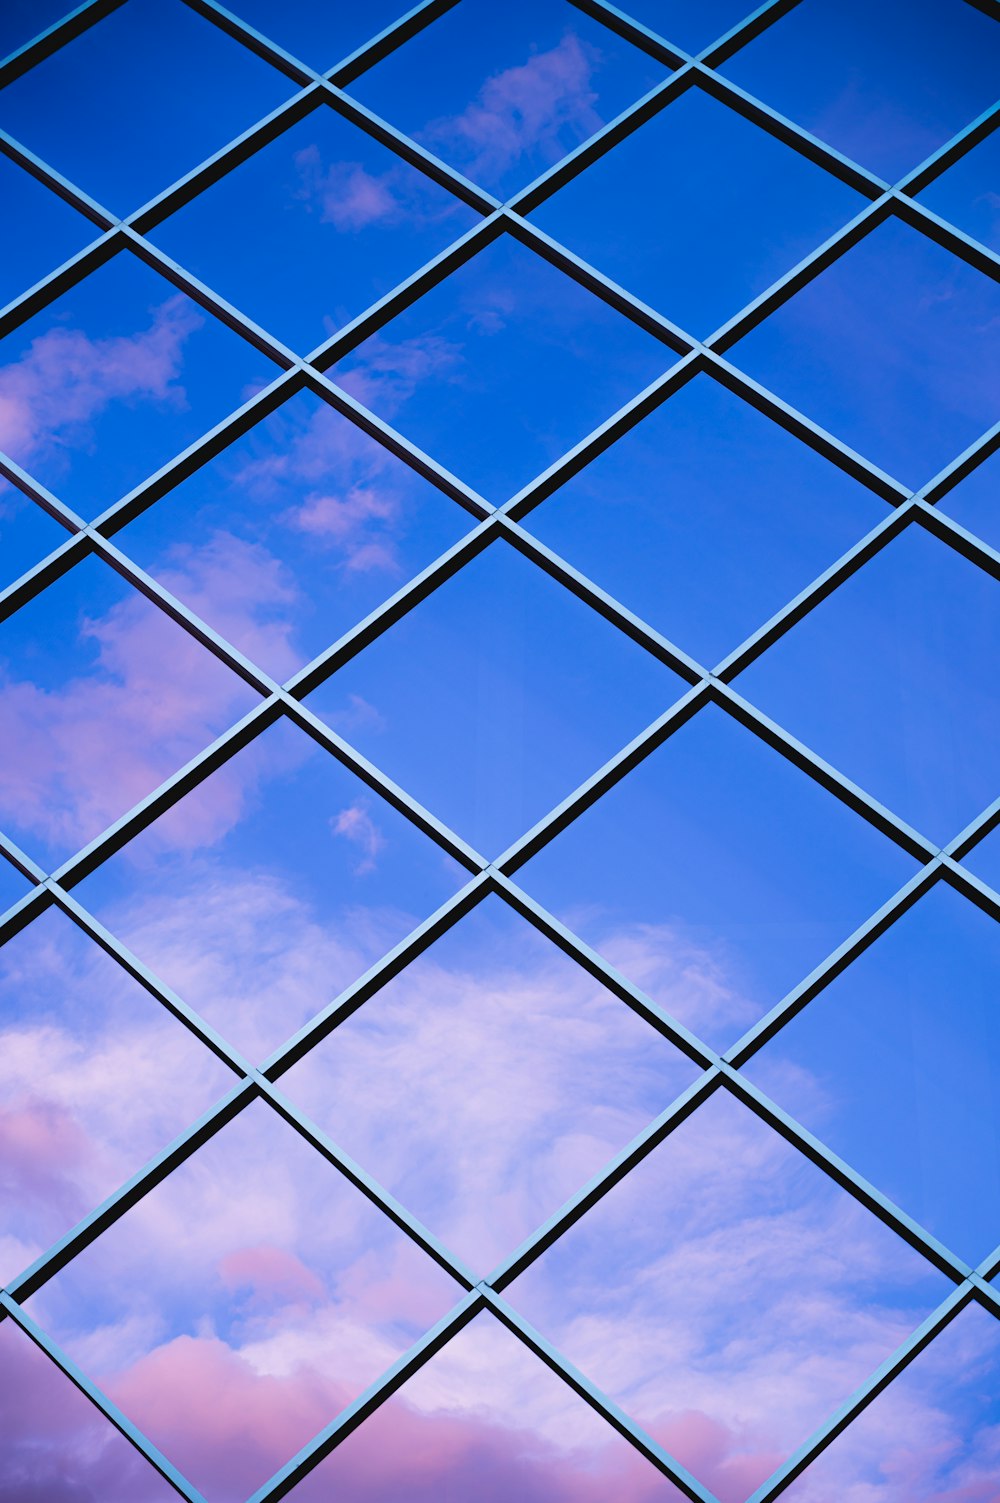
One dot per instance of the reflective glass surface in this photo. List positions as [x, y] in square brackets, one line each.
[319, 35]
[716, 876]
[965, 194]
[495, 372]
[906, 647]
[41, 231]
[496, 697]
[975, 501]
[12, 885]
[115, 377]
[706, 519]
[504, 94]
[22, 20]
[691, 24]
[721, 225]
[890, 349]
[294, 533]
[984, 860]
[27, 534]
[488, 1082]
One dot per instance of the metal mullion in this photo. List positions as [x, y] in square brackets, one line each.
[940, 525]
[59, 281]
[46, 42]
[53, 179]
[973, 252]
[921, 177]
[48, 569]
[745, 31]
[386, 41]
[255, 41]
[11, 1310]
[634, 31]
[20, 860]
[969, 460]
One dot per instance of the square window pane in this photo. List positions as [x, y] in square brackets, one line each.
[314, 228]
[890, 349]
[27, 534]
[114, 378]
[102, 697]
[706, 518]
[716, 876]
[41, 231]
[269, 888]
[496, 697]
[145, 94]
[698, 211]
[966, 194]
[504, 94]
[294, 534]
[502, 368]
[891, 680]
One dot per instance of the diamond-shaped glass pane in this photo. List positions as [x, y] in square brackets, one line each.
[488, 1421]
[294, 534]
[27, 534]
[691, 24]
[891, 679]
[269, 888]
[22, 20]
[145, 94]
[102, 697]
[319, 34]
[113, 379]
[728, 1295]
[894, 1066]
[706, 518]
[504, 93]
[54, 1443]
[502, 368]
[891, 349]
[95, 1078]
[314, 228]
[984, 859]
[13, 886]
[496, 697]
[40, 230]
[966, 194]
[716, 876]
[975, 501]
[884, 84]
[237, 1308]
[488, 1082]
[697, 234]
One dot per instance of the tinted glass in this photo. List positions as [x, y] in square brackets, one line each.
[319, 34]
[691, 24]
[975, 501]
[40, 230]
[965, 194]
[27, 534]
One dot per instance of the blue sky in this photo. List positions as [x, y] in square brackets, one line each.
[493, 1076]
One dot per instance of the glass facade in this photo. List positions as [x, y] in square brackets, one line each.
[499, 811]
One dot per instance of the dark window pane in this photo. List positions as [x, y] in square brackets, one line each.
[503, 94]
[890, 679]
[975, 501]
[716, 876]
[691, 24]
[12, 885]
[95, 1078]
[313, 229]
[895, 1066]
[27, 534]
[966, 194]
[984, 859]
[269, 888]
[698, 212]
[728, 1295]
[494, 698]
[488, 1082]
[881, 84]
[706, 518]
[488, 1421]
[502, 368]
[102, 697]
[145, 95]
[22, 20]
[294, 534]
[890, 349]
[319, 34]
[113, 379]
[40, 230]
[236, 1309]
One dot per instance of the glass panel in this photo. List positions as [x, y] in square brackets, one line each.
[691, 24]
[931, 1437]
[716, 876]
[95, 1078]
[889, 679]
[698, 212]
[502, 368]
[12, 885]
[27, 534]
[238, 1307]
[113, 379]
[496, 697]
[975, 501]
[489, 1081]
[728, 1295]
[486, 1419]
[895, 1066]
[54, 1444]
[102, 697]
[181, 86]
[890, 350]
[294, 534]
[313, 229]
[984, 859]
[505, 94]
[22, 20]
[319, 34]
[706, 518]
[40, 230]
[880, 89]
[965, 195]
[270, 887]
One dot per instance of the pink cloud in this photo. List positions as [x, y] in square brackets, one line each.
[356, 825]
[66, 379]
[346, 194]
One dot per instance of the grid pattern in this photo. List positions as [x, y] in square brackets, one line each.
[684, 357]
